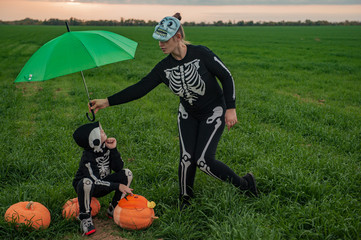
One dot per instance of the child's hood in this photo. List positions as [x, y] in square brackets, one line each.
[88, 137]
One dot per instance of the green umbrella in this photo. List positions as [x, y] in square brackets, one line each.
[76, 51]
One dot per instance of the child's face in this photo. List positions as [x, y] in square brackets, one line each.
[103, 136]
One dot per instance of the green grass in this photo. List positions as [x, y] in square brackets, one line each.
[299, 132]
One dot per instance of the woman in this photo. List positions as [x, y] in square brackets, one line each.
[190, 72]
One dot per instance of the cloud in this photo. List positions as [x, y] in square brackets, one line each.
[219, 2]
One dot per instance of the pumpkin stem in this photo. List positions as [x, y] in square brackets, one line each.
[29, 205]
[154, 217]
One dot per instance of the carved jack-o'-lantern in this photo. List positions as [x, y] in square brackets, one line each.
[134, 213]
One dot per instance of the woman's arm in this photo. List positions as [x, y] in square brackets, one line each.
[219, 69]
[136, 91]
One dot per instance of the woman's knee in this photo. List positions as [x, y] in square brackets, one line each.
[204, 162]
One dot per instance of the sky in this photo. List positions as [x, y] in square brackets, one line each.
[191, 10]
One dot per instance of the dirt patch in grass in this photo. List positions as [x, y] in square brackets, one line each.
[28, 89]
[105, 229]
[303, 99]
[309, 100]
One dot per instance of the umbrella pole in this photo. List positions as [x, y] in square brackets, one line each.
[90, 104]
[86, 88]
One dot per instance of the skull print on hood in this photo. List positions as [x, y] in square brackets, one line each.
[88, 137]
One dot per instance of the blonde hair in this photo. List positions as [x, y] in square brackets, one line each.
[181, 30]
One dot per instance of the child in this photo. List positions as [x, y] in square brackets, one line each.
[93, 178]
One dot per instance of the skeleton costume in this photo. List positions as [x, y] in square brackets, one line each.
[94, 178]
[203, 103]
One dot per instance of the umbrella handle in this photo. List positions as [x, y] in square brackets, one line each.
[91, 119]
[87, 115]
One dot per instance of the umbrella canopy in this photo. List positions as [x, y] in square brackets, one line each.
[76, 51]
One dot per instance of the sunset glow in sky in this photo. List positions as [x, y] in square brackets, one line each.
[206, 11]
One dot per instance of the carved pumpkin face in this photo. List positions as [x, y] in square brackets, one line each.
[32, 214]
[134, 213]
[135, 201]
[71, 208]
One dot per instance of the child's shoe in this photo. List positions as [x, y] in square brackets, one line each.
[110, 211]
[86, 224]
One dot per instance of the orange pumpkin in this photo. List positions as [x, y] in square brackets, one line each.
[134, 213]
[32, 214]
[71, 208]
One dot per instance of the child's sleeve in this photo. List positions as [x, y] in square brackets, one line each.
[116, 162]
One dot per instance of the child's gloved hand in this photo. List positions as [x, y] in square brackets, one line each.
[111, 143]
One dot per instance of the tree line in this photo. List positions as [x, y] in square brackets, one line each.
[137, 22]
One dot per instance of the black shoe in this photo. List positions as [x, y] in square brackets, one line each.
[184, 205]
[184, 202]
[86, 224]
[252, 188]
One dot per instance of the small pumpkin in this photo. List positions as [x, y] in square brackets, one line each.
[71, 208]
[32, 214]
[134, 213]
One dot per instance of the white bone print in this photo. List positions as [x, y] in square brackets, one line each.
[87, 185]
[103, 165]
[185, 81]
[185, 162]
[94, 140]
[217, 113]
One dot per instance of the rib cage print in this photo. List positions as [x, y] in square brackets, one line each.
[103, 164]
[185, 81]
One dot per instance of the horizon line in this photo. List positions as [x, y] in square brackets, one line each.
[196, 22]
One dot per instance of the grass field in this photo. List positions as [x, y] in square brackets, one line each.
[299, 110]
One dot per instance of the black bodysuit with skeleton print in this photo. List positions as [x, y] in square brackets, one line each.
[193, 79]
[98, 166]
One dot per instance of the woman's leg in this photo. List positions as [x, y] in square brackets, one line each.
[187, 127]
[209, 133]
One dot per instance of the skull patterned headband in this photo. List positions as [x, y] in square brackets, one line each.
[166, 29]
